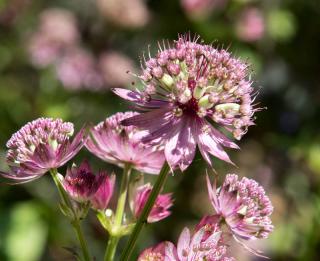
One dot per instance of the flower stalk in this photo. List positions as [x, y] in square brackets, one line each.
[114, 233]
[145, 212]
[75, 222]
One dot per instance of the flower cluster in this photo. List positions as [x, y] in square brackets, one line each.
[243, 205]
[192, 93]
[57, 42]
[240, 205]
[189, 91]
[206, 243]
[40, 146]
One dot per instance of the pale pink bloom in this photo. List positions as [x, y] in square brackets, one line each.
[56, 33]
[114, 143]
[189, 92]
[101, 198]
[80, 182]
[191, 247]
[200, 9]
[160, 209]
[39, 146]
[114, 67]
[243, 206]
[196, 247]
[125, 13]
[250, 25]
[77, 69]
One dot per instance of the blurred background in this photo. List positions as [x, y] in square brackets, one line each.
[60, 59]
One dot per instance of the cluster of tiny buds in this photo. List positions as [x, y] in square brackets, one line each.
[114, 123]
[251, 194]
[255, 206]
[153, 256]
[202, 80]
[47, 131]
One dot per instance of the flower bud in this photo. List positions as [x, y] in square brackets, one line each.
[101, 198]
[80, 183]
[160, 209]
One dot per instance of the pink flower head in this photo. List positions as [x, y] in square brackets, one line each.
[101, 198]
[200, 9]
[114, 143]
[125, 13]
[160, 209]
[57, 32]
[199, 246]
[80, 183]
[251, 25]
[77, 69]
[39, 146]
[158, 253]
[190, 90]
[244, 207]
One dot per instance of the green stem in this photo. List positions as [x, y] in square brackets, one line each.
[145, 212]
[63, 194]
[83, 244]
[75, 222]
[114, 234]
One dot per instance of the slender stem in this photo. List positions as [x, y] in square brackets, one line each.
[145, 212]
[114, 238]
[85, 251]
[75, 222]
[63, 194]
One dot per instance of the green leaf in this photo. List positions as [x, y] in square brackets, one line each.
[27, 233]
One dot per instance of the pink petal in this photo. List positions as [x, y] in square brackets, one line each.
[183, 243]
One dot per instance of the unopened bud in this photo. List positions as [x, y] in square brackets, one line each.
[167, 80]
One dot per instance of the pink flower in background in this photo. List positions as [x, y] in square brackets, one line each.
[57, 33]
[189, 91]
[250, 25]
[80, 182]
[101, 198]
[243, 206]
[39, 146]
[114, 143]
[160, 209]
[114, 67]
[125, 13]
[200, 9]
[77, 69]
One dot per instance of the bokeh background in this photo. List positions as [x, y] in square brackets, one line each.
[60, 59]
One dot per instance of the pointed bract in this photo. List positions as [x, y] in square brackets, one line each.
[120, 145]
[160, 209]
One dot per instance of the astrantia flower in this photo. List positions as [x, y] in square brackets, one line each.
[39, 146]
[158, 253]
[80, 182]
[160, 209]
[189, 91]
[196, 247]
[101, 198]
[243, 206]
[114, 143]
